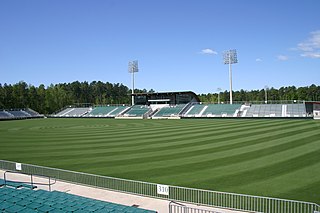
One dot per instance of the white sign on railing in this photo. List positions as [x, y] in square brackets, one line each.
[18, 166]
[162, 189]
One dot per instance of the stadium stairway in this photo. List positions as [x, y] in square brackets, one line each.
[13, 199]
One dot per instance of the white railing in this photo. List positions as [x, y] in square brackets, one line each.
[173, 193]
[181, 208]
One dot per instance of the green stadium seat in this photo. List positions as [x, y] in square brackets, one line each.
[82, 211]
[15, 208]
[24, 202]
[59, 206]
[4, 205]
[13, 200]
[57, 211]
[19, 185]
[70, 209]
[27, 200]
[34, 205]
[45, 208]
[26, 210]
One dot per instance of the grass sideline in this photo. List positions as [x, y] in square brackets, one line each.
[277, 158]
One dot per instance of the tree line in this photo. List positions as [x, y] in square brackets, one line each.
[308, 93]
[47, 100]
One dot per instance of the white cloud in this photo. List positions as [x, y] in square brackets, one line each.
[258, 60]
[311, 54]
[208, 52]
[282, 57]
[311, 46]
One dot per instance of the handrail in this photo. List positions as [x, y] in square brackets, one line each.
[31, 179]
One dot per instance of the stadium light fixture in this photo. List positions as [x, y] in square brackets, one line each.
[230, 57]
[132, 68]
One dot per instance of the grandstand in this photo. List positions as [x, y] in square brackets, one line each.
[213, 110]
[24, 199]
[106, 111]
[276, 110]
[101, 111]
[96, 112]
[19, 114]
[162, 108]
[6, 115]
[169, 111]
[176, 105]
[138, 111]
[295, 110]
[73, 112]
[264, 110]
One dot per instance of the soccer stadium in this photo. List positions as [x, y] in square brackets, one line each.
[167, 146]
[197, 131]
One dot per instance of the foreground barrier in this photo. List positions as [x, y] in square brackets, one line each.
[180, 208]
[173, 193]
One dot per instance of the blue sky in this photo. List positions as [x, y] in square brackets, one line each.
[178, 44]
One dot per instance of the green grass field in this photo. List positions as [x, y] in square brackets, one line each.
[277, 158]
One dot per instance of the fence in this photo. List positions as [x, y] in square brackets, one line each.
[174, 193]
[180, 208]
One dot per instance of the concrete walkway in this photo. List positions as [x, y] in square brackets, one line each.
[159, 205]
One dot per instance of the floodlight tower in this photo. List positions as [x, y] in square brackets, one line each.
[132, 68]
[230, 57]
[266, 93]
[219, 90]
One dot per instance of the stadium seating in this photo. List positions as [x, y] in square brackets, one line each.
[118, 110]
[265, 110]
[183, 110]
[212, 110]
[32, 112]
[16, 184]
[27, 200]
[101, 111]
[276, 110]
[63, 112]
[5, 115]
[137, 111]
[73, 112]
[170, 111]
[195, 110]
[296, 110]
[221, 110]
[77, 112]
[19, 114]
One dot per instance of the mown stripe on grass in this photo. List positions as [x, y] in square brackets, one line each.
[152, 143]
[213, 147]
[188, 165]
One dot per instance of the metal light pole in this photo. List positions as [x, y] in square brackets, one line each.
[132, 68]
[266, 94]
[230, 57]
[218, 89]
